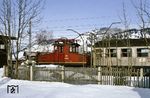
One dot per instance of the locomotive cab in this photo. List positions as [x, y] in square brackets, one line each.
[64, 45]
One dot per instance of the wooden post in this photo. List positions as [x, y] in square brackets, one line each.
[31, 73]
[31, 69]
[141, 77]
[141, 73]
[99, 75]
[5, 73]
[62, 73]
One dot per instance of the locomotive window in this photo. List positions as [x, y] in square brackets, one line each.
[126, 52]
[73, 48]
[55, 48]
[70, 49]
[77, 49]
[61, 49]
[142, 52]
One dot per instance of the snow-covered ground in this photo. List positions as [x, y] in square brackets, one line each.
[37, 89]
[1, 72]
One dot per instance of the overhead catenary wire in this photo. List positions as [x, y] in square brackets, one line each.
[72, 26]
[77, 19]
[77, 27]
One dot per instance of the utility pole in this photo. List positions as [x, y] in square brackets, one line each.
[30, 40]
[31, 63]
[93, 36]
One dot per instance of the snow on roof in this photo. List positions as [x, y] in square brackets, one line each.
[20, 56]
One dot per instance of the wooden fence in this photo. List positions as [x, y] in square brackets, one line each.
[127, 76]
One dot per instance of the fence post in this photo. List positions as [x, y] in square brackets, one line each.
[99, 75]
[5, 71]
[31, 73]
[31, 70]
[62, 73]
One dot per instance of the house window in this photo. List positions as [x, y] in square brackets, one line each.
[126, 52]
[2, 46]
[142, 52]
[113, 52]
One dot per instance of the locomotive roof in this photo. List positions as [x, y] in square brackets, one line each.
[124, 42]
[63, 41]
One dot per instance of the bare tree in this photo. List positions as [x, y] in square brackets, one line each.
[140, 6]
[143, 13]
[124, 18]
[44, 37]
[15, 17]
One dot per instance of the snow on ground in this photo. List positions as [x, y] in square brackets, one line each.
[1, 72]
[37, 89]
[30, 89]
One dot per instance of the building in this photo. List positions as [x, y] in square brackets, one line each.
[3, 49]
[3, 52]
[122, 52]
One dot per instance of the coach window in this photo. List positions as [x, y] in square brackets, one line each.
[113, 52]
[99, 52]
[126, 52]
[2, 46]
[142, 52]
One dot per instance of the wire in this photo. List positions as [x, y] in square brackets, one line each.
[77, 26]
[78, 19]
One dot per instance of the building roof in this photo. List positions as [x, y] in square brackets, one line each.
[4, 39]
[123, 42]
[12, 38]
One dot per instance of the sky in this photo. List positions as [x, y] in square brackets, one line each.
[84, 15]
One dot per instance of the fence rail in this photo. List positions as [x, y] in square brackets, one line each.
[127, 76]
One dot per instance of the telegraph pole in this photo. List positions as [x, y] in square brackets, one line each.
[30, 63]
[30, 40]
